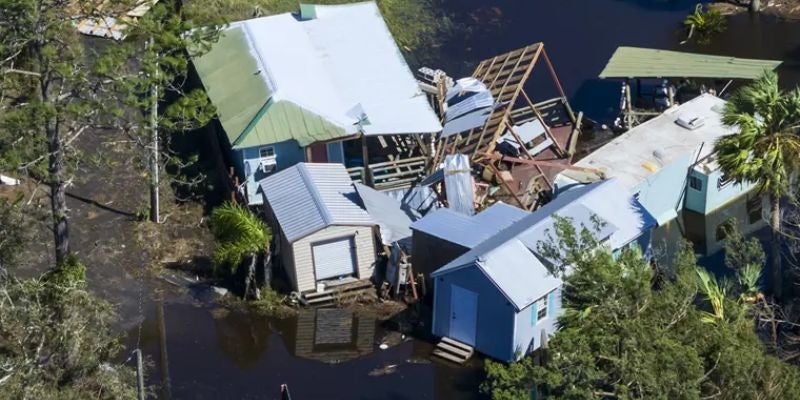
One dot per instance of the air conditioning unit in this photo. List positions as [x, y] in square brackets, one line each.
[268, 165]
[690, 123]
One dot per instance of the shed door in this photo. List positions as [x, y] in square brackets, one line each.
[463, 314]
[334, 258]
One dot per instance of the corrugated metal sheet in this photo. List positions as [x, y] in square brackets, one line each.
[331, 76]
[393, 221]
[634, 62]
[308, 197]
[458, 184]
[508, 259]
[469, 231]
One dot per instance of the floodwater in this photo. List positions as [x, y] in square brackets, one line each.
[201, 352]
[581, 35]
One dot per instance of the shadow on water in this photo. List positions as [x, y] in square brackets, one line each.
[211, 353]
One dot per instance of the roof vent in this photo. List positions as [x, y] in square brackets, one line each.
[690, 123]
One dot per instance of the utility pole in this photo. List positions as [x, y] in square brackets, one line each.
[140, 374]
[154, 156]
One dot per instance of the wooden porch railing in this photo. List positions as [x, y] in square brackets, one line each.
[390, 174]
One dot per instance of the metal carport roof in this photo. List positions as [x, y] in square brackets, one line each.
[635, 62]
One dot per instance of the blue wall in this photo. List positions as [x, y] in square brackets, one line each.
[495, 322]
[710, 197]
[528, 335]
[287, 153]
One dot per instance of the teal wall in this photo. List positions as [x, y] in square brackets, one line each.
[287, 153]
[710, 197]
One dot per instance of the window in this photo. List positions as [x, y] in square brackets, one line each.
[539, 310]
[723, 181]
[695, 183]
[266, 152]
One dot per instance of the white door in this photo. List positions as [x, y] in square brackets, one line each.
[334, 258]
[463, 314]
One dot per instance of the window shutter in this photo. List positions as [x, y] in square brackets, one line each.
[533, 314]
[551, 304]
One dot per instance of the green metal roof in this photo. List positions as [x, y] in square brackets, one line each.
[231, 76]
[634, 62]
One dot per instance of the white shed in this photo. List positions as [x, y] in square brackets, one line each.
[325, 233]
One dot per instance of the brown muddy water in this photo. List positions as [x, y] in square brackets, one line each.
[201, 352]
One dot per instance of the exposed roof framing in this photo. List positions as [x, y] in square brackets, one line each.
[505, 76]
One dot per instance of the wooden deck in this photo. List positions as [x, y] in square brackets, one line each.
[336, 292]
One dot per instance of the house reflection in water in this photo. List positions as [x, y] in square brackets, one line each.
[331, 335]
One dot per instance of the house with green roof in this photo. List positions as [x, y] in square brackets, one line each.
[326, 84]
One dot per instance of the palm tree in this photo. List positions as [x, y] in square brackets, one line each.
[766, 149]
[241, 236]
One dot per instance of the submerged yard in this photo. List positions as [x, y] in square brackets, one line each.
[201, 348]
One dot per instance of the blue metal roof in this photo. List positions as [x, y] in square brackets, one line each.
[620, 222]
[468, 231]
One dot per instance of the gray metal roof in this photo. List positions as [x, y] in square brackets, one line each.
[308, 197]
[465, 230]
[393, 221]
[508, 257]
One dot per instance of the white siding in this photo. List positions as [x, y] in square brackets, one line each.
[303, 259]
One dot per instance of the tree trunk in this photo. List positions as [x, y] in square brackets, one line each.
[250, 285]
[775, 221]
[154, 162]
[267, 269]
[755, 5]
[58, 191]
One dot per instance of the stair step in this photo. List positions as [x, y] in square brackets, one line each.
[455, 350]
[449, 357]
[456, 343]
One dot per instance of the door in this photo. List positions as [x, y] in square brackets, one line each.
[319, 153]
[334, 258]
[463, 314]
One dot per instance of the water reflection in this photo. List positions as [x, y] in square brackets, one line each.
[201, 352]
[330, 335]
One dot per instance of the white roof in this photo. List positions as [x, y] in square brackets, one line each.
[343, 65]
[308, 197]
[646, 148]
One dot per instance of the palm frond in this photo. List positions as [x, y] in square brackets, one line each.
[238, 233]
[714, 292]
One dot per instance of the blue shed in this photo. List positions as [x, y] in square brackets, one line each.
[500, 298]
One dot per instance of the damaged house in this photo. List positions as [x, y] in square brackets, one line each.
[327, 84]
[497, 294]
